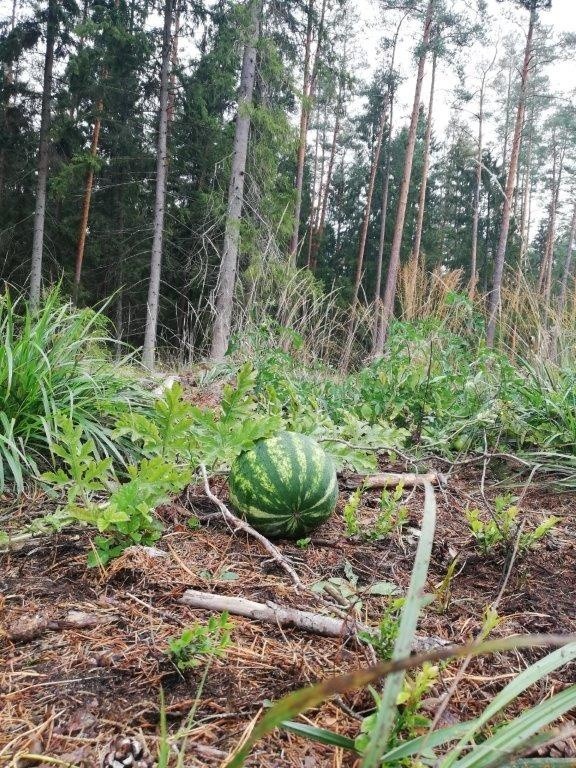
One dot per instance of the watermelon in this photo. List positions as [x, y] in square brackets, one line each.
[284, 486]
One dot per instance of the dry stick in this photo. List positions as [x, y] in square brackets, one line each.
[240, 606]
[387, 479]
[241, 525]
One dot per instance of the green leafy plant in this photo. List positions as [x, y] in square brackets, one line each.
[409, 722]
[201, 642]
[392, 515]
[350, 513]
[84, 473]
[503, 526]
[384, 638]
[53, 361]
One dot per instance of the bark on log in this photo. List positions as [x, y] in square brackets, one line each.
[240, 606]
[388, 479]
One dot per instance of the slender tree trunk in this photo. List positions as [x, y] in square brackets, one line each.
[567, 267]
[478, 187]
[377, 334]
[149, 348]
[9, 81]
[318, 233]
[227, 277]
[507, 122]
[43, 157]
[310, 71]
[390, 292]
[496, 292]
[424, 183]
[174, 63]
[545, 281]
[526, 192]
[345, 361]
[314, 196]
[87, 198]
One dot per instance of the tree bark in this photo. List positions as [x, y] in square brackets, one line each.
[424, 183]
[495, 295]
[86, 204]
[43, 157]
[8, 80]
[318, 233]
[345, 361]
[478, 187]
[390, 292]
[545, 278]
[227, 276]
[310, 71]
[149, 348]
[567, 267]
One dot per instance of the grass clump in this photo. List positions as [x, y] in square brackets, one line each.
[53, 363]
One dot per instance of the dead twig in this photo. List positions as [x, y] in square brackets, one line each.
[276, 614]
[388, 479]
[242, 525]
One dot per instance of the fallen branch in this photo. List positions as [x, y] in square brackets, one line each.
[240, 606]
[388, 479]
[242, 525]
[306, 620]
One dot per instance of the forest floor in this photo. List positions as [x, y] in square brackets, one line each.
[84, 650]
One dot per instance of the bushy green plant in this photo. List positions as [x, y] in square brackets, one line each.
[53, 362]
[201, 642]
[501, 528]
[392, 515]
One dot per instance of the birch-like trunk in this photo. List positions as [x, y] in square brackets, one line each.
[43, 157]
[478, 185]
[345, 361]
[8, 81]
[318, 233]
[149, 347]
[567, 267]
[423, 185]
[228, 266]
[390, 292]
[310, 73]
[86, 200]
[495, 295]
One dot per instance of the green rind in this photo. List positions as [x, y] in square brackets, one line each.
[284, 486]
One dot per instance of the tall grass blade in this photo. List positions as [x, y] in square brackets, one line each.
[406, 633]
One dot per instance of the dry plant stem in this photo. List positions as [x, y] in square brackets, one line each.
[241, 525]
[275, 614]
[388, 479]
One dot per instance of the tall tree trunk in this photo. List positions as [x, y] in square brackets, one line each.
[378, 327]
[43, 156]
[345, 361]
[149, 347]
[390, 292]
[507, 121]
[310, 72]
[478, 185]
[227, 276]
[495, 295]
[86, 200]
[545, 280]
[567, 266]
[424, 182]
[318, 233]
[377, 340]
[8, 81]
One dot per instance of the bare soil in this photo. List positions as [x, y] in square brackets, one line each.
[84, 650]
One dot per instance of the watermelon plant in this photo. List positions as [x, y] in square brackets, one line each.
[284, 486]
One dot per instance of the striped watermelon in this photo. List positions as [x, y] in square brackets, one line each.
[284, 486]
